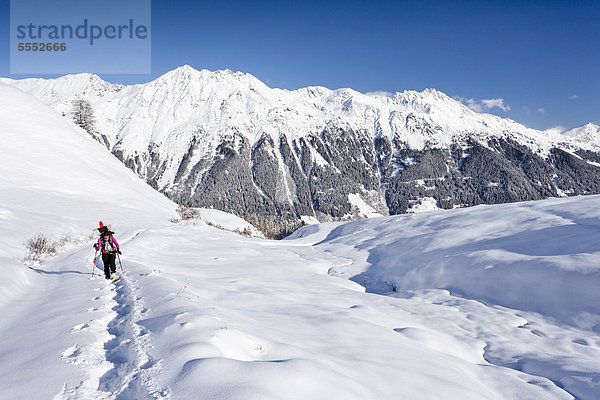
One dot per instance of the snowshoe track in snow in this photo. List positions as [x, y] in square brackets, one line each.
[116, 361]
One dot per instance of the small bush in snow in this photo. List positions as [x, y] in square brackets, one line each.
[210, 223]
[67, 238]
[245, 232]
[40, 247]
[183, 293]
[186, 213]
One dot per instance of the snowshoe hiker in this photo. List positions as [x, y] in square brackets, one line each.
[109, 247]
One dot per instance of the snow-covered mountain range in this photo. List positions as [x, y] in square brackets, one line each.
[225, 140]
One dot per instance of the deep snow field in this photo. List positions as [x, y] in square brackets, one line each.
[490, 302]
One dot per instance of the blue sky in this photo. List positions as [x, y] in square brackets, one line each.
[537, 62]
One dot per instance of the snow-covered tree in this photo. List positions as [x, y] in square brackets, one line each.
[83, 115]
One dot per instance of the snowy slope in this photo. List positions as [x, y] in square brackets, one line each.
[204, 313]
[49, 164]
[55, 180]
[49, 167]
[588, 133]
[495, 254]
[537, 262]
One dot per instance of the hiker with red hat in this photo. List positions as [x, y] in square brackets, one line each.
[109, 247]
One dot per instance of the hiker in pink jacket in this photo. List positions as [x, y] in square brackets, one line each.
[109, 247]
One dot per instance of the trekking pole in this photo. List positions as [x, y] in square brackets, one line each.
[119, 258]
[94, 263]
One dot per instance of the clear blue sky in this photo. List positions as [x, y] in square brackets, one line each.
[541, 57]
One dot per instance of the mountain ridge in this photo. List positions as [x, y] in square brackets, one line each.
[87, 84]
[224, 139]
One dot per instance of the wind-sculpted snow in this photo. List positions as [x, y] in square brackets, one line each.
[542, 258]
[530, 256]
[225, 140]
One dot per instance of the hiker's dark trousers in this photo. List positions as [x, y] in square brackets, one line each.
[109, 264]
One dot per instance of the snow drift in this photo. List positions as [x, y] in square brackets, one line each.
[530, 256]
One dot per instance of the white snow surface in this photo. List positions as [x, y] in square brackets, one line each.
[185, 105]
[224, 221]
[588, 133]
[490, 302]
